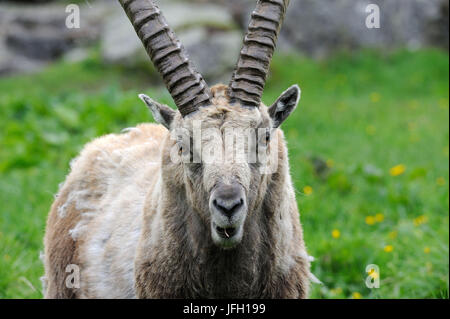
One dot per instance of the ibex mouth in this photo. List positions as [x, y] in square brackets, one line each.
[226, 237]
[226, 232]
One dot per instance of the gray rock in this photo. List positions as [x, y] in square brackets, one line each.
[213, 53]
[181, 15]
[11, 63]
[437, 31]
[119, 42]
[32, 36]
[206, 31]
[320, 28]
[43, 43]
[76, 55]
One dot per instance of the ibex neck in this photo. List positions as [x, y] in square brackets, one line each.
[213, 272]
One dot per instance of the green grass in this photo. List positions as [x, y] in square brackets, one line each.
[362, 114]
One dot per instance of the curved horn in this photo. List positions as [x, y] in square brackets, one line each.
[249, 77]
[186, 85]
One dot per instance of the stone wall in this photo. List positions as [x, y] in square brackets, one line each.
[320, 27]
[33, 33]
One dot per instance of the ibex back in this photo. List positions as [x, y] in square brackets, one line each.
[160, 211]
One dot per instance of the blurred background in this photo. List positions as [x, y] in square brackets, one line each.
[369, 144]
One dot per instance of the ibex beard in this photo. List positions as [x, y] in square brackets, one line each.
[141, 224]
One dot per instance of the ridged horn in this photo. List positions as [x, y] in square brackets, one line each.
[187, 87]
[249, 78]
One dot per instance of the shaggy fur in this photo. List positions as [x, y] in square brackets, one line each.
[138, 225]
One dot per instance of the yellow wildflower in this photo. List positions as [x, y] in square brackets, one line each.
[336, 291]
[393, 234]
[420, 220]
[330, 163]
[426, 250]
[371, 130]
[374, 274]
[308, 190]
[440, 181]
[336, 233]
[356, 295]
[375, 97]
[370, 220]
[388, 248]
[443, 104]
[397, 170]
[379, 217]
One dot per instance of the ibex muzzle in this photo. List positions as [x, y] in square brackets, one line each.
[228, 206]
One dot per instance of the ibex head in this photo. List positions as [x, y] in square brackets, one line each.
[224, 193]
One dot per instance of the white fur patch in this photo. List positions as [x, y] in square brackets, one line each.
[310, 259]
[43, 279]
[109, 251]
[131, 129]
[82, 226]
[44, 283]
[281, 106]
[79, 198]
[82, 200]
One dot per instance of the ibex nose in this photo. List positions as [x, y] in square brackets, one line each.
[228, 199]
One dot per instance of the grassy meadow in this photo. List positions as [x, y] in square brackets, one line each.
[369, 154]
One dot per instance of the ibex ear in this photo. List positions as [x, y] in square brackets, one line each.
[161, 113]
[284, 106]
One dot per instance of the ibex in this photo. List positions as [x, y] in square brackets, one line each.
[138, 224]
